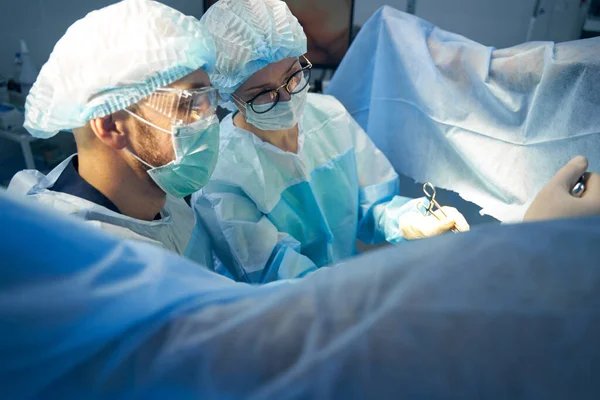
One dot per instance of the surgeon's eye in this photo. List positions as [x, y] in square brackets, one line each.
[265, 98]
[294, 81]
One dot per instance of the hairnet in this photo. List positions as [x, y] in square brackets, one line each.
[249, 35]
[111, 59]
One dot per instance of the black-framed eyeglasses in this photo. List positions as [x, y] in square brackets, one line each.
[267, 100]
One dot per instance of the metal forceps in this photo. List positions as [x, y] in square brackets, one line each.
[579, 187]
[429, 191]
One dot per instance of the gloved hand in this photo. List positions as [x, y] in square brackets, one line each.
[415, 225]
[555, 199]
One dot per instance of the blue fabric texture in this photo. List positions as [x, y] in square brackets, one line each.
[493, 125]
[275, 215]
[175, 230]
[500, 312]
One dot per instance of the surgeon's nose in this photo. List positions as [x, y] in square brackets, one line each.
[284, 95]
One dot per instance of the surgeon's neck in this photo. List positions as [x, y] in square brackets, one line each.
[286, 139]
[130, 190]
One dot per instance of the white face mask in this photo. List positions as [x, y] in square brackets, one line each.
[284, 115]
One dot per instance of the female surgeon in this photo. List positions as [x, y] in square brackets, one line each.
[297, 181]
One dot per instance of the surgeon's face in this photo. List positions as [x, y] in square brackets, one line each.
[152, 145]
[261, 84]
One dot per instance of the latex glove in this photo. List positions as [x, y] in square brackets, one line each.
[418, 226]
[555, 199]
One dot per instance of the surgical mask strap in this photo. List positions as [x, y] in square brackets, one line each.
[242, 102]
[147, 122]
[139, 159]
[150, 124]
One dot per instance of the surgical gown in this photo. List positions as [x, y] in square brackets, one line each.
[502, 312]
[492, 125]
[275, 215]
[174, 231]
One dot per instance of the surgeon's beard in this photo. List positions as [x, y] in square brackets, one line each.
[151, 150]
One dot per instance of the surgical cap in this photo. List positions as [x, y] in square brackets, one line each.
[111, 59]
[249, 35]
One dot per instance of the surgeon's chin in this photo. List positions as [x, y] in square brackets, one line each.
[140, 171]
[156, 190]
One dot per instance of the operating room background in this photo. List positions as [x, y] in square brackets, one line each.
[498, 23]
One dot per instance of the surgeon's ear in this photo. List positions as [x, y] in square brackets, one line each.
[111, 130]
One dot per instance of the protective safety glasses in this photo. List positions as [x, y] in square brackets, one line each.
[180, 107]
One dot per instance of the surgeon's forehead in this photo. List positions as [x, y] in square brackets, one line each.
[196, 80]
[270, 74]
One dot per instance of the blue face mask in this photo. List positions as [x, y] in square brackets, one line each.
[196, 152]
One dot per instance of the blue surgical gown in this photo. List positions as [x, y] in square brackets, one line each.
[493, 125]
[274, 215]
[502, 312]
[174, 231]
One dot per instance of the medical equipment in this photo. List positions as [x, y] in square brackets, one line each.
[579, 187]
[28, 72]
[11, 119]
[11, 128]
[3, 90]
[430, 193]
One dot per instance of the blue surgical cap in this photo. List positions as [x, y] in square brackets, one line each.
[113, 58]
[249, 35]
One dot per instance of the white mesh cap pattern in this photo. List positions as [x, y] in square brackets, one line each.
[112, 58]
[248, 36]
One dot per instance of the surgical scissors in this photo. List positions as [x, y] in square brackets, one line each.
[430, 193]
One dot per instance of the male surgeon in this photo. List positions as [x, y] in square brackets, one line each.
[129, 80]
